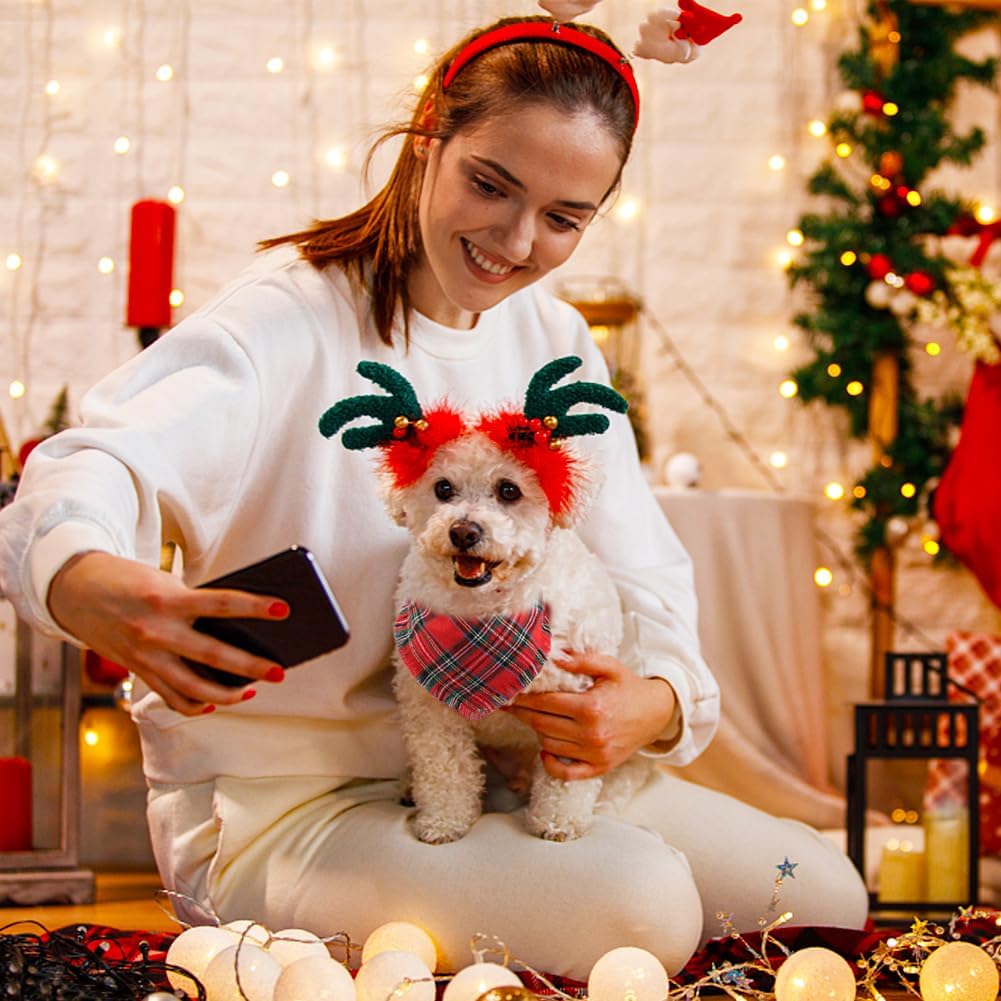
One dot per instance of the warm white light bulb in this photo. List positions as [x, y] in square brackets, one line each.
[783, 258]
[16, 389]
[336, 157]
[275, 64]
[788, 388]
[795, 238]
[175, 195]
[91, 737]
[781, 343]
[420, 82]
[176, 297]
[815, 974]
[13, 261]
[52, 88]
[46, 168]
[122, 145]
[959, 971]
[834, 490]
[165, 72]
[800, 16]
[817, 128]
[280, 178]
[106, 265]
[422, 46]
[822, 577]
[778, 460]
[818, 5]
[112, 36]
[327, 57]
[627, 974]
[627, 210]
[985, 214]
[776, 162]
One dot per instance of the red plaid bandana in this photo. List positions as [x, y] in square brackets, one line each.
[475, 666]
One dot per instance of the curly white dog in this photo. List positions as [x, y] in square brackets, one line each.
[494, 581]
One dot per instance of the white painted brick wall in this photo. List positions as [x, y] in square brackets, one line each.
[700, 254]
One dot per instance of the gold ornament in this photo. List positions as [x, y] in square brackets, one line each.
[550, 422]
[401, 422]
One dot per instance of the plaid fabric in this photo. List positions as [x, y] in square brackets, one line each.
[974, 661]
[473, 665]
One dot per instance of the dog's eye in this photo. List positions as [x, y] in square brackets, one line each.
[444, 490]
[508, 492]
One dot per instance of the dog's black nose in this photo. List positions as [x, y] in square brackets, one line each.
[465, 534]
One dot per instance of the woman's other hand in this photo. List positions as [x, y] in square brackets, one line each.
[141, 617]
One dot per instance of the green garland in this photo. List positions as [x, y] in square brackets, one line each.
[900, 133]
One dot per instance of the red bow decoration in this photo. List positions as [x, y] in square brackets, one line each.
[987, 233]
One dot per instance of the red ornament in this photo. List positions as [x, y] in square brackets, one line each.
[890, 206]
[891, 164]
[919, 282]
[151, 264]
[872, 103]
[879, 266]
[26, 449]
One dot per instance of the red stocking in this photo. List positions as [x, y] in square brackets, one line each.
[967, 504]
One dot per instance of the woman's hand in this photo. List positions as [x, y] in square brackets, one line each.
[585, 734]
[140, 617]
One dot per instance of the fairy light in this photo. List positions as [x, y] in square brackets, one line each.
[106, 265]
[931, 547]
[420, 82]
[175, 195]
[326, 57]
[985, 214]
[854, 388]
[848, 258]
[818, 5]
[913, 198]
[933, 348]
[778, 460]
[16, 389]
[817, 128]
[783, 258]
[46, 168]
[176, 298]
[788, 388]
[122, 145]
[627, 210]
[13, 261]
[776, 162]
[908, 490]
[91, 737]
[336, 158]
[795, 238]
[52, 88]
[800, 16]
[781, 342]
[422, 46]
[890, 109]
[858, 491]
[895, 280]
[112, 37]
[834, 491]
[834, 370]
[275, 64]
[165, 73]
[280, 178]
[844, 150]
[823, 577]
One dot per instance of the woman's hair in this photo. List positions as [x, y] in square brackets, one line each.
[379, 243]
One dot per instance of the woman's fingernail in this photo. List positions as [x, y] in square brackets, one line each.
[208, 709]
[275, 674]
[248, 694]
[278, 610]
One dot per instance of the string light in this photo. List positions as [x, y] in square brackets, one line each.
[627, 210]
[776, 162]
[854, 388]
[420, 82]
[280, 178]
[908, 490]
[165, 73]
[106, 265]
[326, 58]
[781, 343]
[817, 128]
[46, 168]
[800, 16]
[176, 298]
[913, 198]
[16, 389]
[933, 348]
[122, 145]
[788, 388]
[823, 577]
[52, 88]
[91, 737]
[931, 547]
[112, 37]
[834, 491]
[336, 157]
[175, 195]
[795, 238]
[985, 214]
[275, 64]
[890, 109]
[13, 261]
[783, 258]
[848, 258]
[858, 491]
[779, 460]
[834, 370]
[818, 5]
[422, 47]
[844, 150]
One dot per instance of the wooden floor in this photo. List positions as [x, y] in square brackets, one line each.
[124, 900]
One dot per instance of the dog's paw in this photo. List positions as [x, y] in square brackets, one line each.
[436, 830]
[553, 829]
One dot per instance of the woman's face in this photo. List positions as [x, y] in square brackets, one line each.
[503, 204]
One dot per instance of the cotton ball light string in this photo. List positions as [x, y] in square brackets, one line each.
[242, 972]
[401, 936]
[815, 974]
[627, 974]
[394, 974]
[959, 971]
[472, 982]
[291, 944]
[314, 978]
[194, 949]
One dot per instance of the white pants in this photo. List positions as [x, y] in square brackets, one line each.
[292, 853]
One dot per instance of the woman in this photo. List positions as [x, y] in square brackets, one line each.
[284, 808]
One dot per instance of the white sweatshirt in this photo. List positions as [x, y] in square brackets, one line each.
[209, 438]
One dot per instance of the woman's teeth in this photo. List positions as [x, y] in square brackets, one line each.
[485, 263]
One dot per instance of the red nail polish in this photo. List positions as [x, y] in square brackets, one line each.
[208, 709]
[248, 694]
[278, 610]
[275, 674]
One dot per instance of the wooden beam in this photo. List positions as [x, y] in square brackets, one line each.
[978, 4]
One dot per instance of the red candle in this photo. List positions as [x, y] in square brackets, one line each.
[151, 264]
[15, 805]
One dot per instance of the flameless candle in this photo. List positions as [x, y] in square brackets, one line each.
[901, 872]
[151, 268]
[947, 846]
[15, 795]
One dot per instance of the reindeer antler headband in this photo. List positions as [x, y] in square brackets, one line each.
[409, 436]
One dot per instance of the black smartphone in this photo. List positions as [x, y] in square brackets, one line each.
[314, 625]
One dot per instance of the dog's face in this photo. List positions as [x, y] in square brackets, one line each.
[479, 518]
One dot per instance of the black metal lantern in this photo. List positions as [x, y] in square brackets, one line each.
[918, 721]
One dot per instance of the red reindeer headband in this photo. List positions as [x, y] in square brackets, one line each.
[410, 436]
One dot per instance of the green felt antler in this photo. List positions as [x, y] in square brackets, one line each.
[402, 402]
[549, 404]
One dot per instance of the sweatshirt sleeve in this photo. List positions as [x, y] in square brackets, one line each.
[163, 444]
[627, 529]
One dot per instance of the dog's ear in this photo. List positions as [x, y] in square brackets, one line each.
[392, 499]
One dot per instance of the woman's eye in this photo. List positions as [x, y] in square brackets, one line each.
[485, 187]
[562, 222]
[444, 490]
[508, 492]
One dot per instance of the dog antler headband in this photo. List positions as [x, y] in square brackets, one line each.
[410, 436]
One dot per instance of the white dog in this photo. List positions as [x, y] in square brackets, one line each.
[495, 580]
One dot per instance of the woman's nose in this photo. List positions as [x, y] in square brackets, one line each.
[517, 237]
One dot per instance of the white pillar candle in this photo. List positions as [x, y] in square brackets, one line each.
[947, 846]
[901, 872]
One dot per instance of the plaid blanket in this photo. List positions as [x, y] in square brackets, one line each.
[475, 666]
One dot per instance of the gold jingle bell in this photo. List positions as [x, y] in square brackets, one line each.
[508, 993]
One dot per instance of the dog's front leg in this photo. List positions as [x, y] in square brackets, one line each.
[446, 768]
[558, 810]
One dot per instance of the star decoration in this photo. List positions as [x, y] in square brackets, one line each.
[785, 869]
